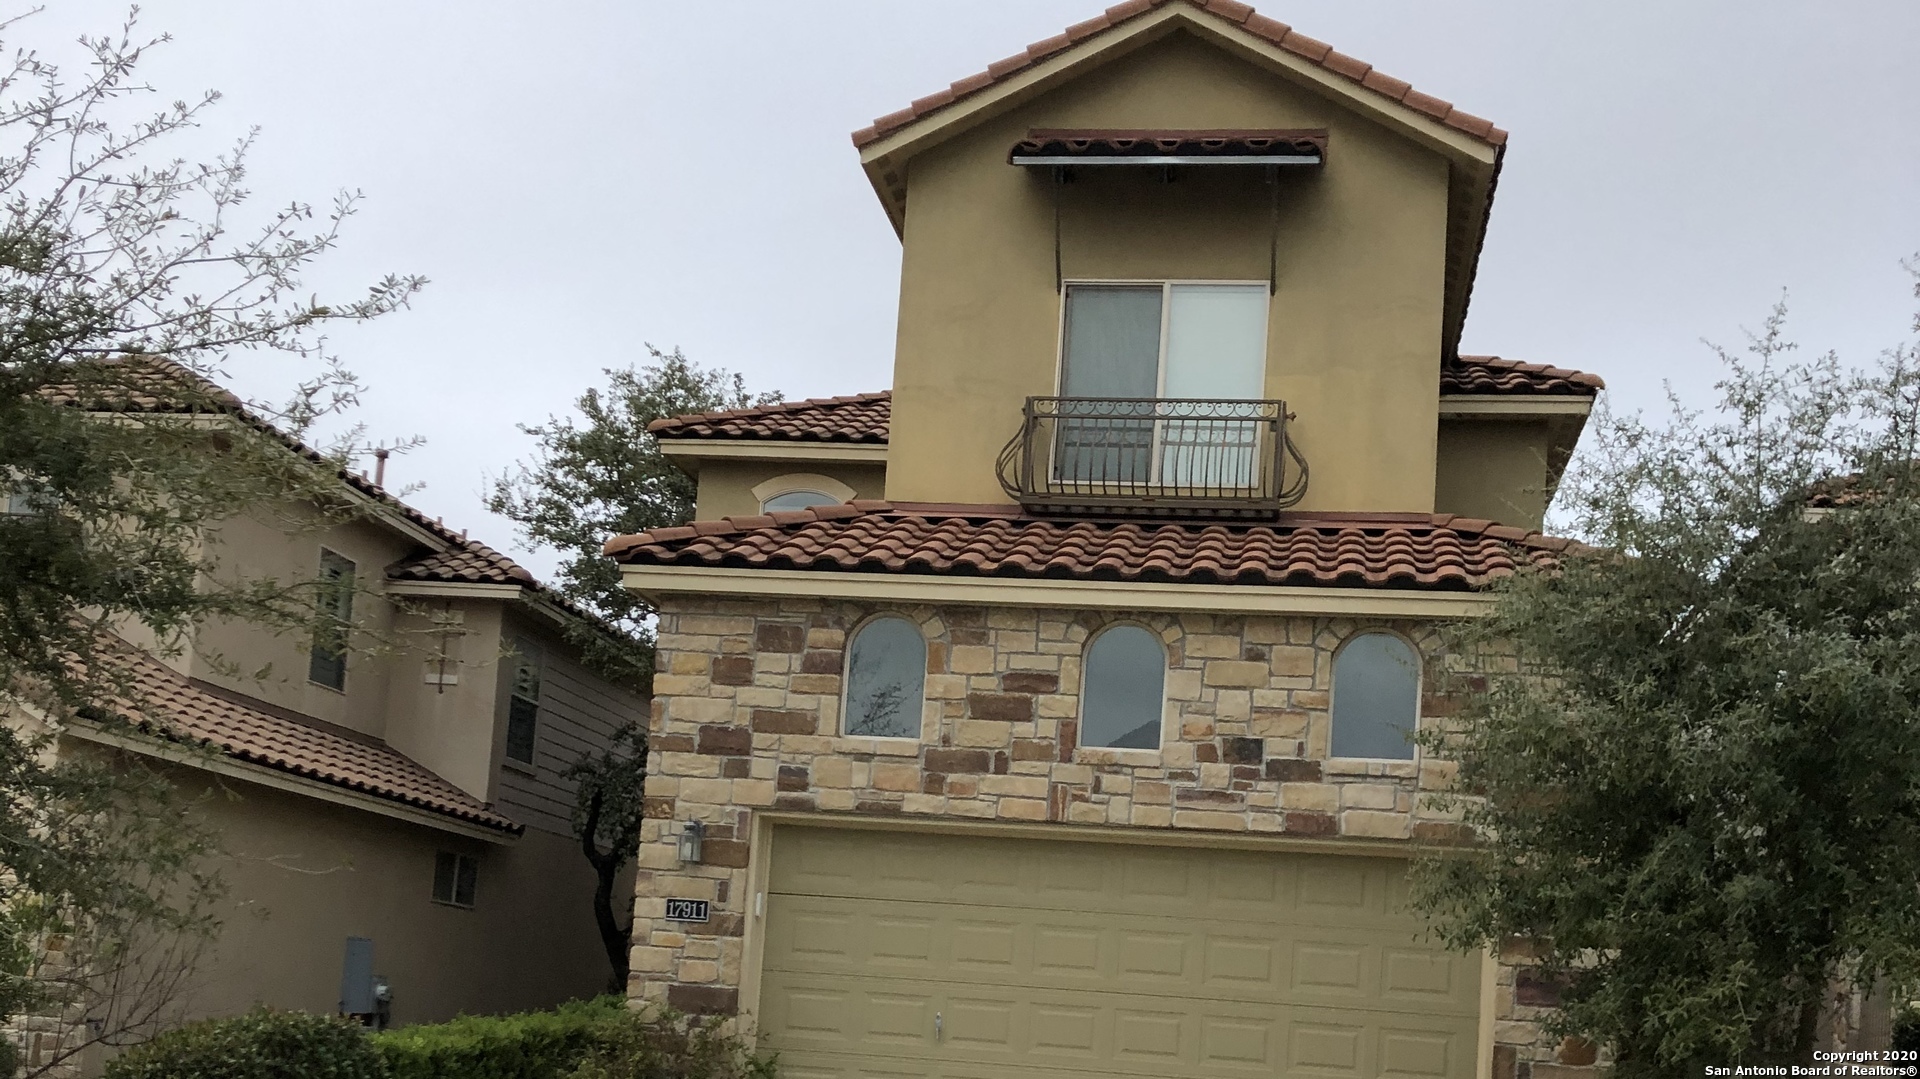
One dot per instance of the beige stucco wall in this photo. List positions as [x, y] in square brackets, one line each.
[273, 667]
[304, 875]
[1354, 332]
[1494, 469]
[726, 487]
[452, 729]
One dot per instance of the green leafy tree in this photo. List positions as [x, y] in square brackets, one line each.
[603, 475]
[128, 275]
[126, 279]
[1694, 771]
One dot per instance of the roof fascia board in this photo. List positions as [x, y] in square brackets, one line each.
[1143, 30]
[1495, 405]
[395, 519]
[222, 765]
[655, 581]
[751, 449]
[452, 589]
[1449, 142]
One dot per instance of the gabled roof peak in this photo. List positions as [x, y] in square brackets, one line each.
[1231, 12]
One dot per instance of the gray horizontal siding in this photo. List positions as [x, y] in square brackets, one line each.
[579, 712]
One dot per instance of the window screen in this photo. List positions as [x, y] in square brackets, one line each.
[1376, 698]
[455, 877]
[523, 702]
[886, 679]
[1124, 695]
[333, 621]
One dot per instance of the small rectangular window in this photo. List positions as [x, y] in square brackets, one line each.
[454, 878]
[523, 702]
[333, 621]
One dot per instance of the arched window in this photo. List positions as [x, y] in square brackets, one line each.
[799, 491]
[798, 500]
[1376, 697]
[886, 680]
[1123, 689]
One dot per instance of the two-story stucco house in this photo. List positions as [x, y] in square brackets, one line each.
[1049, 714]
[394, 778]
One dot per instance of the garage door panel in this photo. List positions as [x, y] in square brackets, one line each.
[1223, 960]
[1090, 877]
[1142, 1034]
[1052, 959]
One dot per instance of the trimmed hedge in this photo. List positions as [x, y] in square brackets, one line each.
[595, 1039]
[262, 1044]
[668, 1046]
[527, 1045]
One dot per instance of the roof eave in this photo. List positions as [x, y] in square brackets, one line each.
[689, 452]
[655, 582]
[221, 762]
[890, 153]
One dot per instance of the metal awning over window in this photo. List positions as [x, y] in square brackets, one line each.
[1094, 147]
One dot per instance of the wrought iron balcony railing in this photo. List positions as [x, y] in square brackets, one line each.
[1173, 457]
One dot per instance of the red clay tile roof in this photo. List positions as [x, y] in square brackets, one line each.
[152, 384]
[1415, 551]
[165, 704]
[1230, 11]
[1493, 375]
[861, 417]
[864, 417]
[470, 563]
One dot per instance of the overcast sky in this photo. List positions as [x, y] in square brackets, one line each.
[579, 178]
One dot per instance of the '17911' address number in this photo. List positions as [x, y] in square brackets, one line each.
[687, 910]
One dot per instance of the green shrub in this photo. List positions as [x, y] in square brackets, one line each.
[527, 1045]
[1906, 1027]
[263, 1044]
[663, 1045]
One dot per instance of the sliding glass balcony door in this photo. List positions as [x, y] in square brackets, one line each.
[1132, 352]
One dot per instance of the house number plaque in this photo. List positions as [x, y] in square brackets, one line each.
[687, 910]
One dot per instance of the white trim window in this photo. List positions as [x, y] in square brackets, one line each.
[456, 877]
[886, 684]
[523, 702]
[1153, 339]
[333, 621]
[798, 500]
[1160, 341]
[1376, 697]
[1123, 689]
[799, 491]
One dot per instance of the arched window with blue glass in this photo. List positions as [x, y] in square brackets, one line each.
[1376, 697]
[1123, 689]
[886, 679]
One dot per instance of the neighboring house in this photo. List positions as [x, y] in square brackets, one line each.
[1076, 742]
[397, 777]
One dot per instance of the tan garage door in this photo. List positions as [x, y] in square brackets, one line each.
[895, 954]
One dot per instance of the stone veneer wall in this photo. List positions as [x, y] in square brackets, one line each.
[746, 714]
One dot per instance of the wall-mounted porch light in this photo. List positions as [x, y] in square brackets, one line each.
[690, 834]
